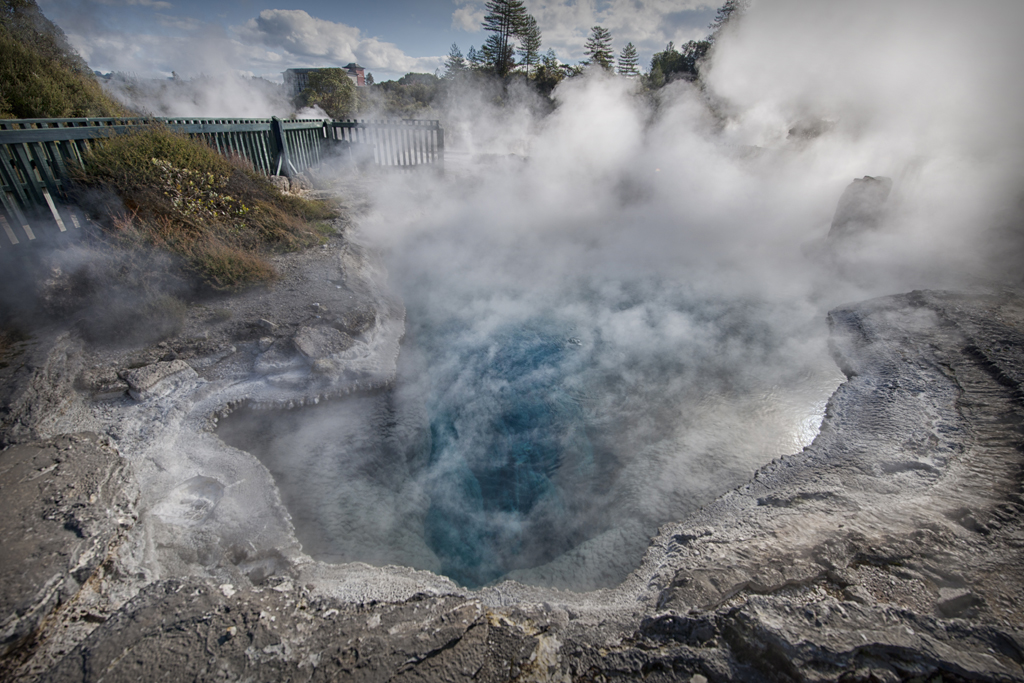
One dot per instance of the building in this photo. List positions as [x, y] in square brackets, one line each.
[296, 80]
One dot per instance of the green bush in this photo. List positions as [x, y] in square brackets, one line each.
[181, 195]
[41, 76]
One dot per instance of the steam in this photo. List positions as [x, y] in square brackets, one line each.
[622, 315]
[223, 95]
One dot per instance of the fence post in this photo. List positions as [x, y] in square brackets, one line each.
[440, 148]
[283, 164]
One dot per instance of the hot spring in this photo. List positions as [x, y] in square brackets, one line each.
[545, 446]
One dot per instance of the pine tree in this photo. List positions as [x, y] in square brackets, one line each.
[455, 63]
[530, 49]
[599, 47]
[726, 13]
[505, 19]
[473, 58]
[628, 60]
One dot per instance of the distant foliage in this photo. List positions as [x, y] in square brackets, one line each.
[549, 73]
[332, 90]
[41, 75]
[529, 50]
[599, 47]
[673, 64]
[505, 20]
[726, 13]
[628, 61]
[411, 96]
[455, 64]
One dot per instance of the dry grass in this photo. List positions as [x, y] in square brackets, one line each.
[218, 215]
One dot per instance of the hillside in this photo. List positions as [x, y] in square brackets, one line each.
[41, 75]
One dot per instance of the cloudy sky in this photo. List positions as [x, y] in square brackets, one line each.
[388, 37]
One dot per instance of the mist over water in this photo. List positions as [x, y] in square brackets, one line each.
[622, 315]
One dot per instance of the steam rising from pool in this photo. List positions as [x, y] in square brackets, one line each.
[615, 312]
[550, 447]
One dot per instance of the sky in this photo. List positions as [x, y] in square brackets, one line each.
[152, 38]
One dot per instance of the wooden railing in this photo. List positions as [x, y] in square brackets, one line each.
[35, 154]
[406, 143]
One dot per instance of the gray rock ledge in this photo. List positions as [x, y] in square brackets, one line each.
[890, 549]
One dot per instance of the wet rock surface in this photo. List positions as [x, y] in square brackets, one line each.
[890, 549]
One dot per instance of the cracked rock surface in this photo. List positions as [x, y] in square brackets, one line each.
[68, 502]
[889, 549]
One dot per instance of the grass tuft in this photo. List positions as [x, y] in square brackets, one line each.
[217, 214]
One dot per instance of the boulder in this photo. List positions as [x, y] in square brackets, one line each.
[321, 342]
[280, 182]
[860, 206]
[158, 379]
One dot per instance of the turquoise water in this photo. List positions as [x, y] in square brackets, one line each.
[506, 433]
[545, 447]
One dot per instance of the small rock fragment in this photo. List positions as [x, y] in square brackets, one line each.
[321, 342]
[954, 602]
[858, 594]
[158, 379]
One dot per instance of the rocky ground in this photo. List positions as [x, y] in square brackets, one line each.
[138, 546]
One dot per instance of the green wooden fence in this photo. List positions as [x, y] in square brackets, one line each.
[35, 155]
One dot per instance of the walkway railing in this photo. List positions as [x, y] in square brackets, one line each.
[35, 154]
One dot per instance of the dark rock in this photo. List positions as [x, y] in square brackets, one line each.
[68, 503]
[860, 206]
[192, 631]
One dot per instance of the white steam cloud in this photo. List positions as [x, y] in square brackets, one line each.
[622, 315]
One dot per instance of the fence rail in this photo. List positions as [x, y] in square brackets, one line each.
[35, 154]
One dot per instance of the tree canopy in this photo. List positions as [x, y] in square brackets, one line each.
[505, 20]
[455, 63]
[531, 39]
[331, 90]
[599, 47]
[725, 13]
[674, 64]
[628, 61]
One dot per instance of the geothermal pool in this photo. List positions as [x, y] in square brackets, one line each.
[545, 448]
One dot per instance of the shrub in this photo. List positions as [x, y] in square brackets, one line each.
[40, 74]
[181, 195]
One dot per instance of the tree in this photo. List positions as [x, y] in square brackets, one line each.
[530, 49]
[332, 90]
[599, 47]
[505, 19]
[455, 64]
[628, 60]
[725, 14]
[473, 58]
[674, 64]
[549, 73]
[369, 78]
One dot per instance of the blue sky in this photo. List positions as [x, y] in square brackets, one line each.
[151, 38]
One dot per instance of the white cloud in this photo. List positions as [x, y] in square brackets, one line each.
[267, 44]
[155, 4]
[468, 18]
[182, 23]
[310, 41]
